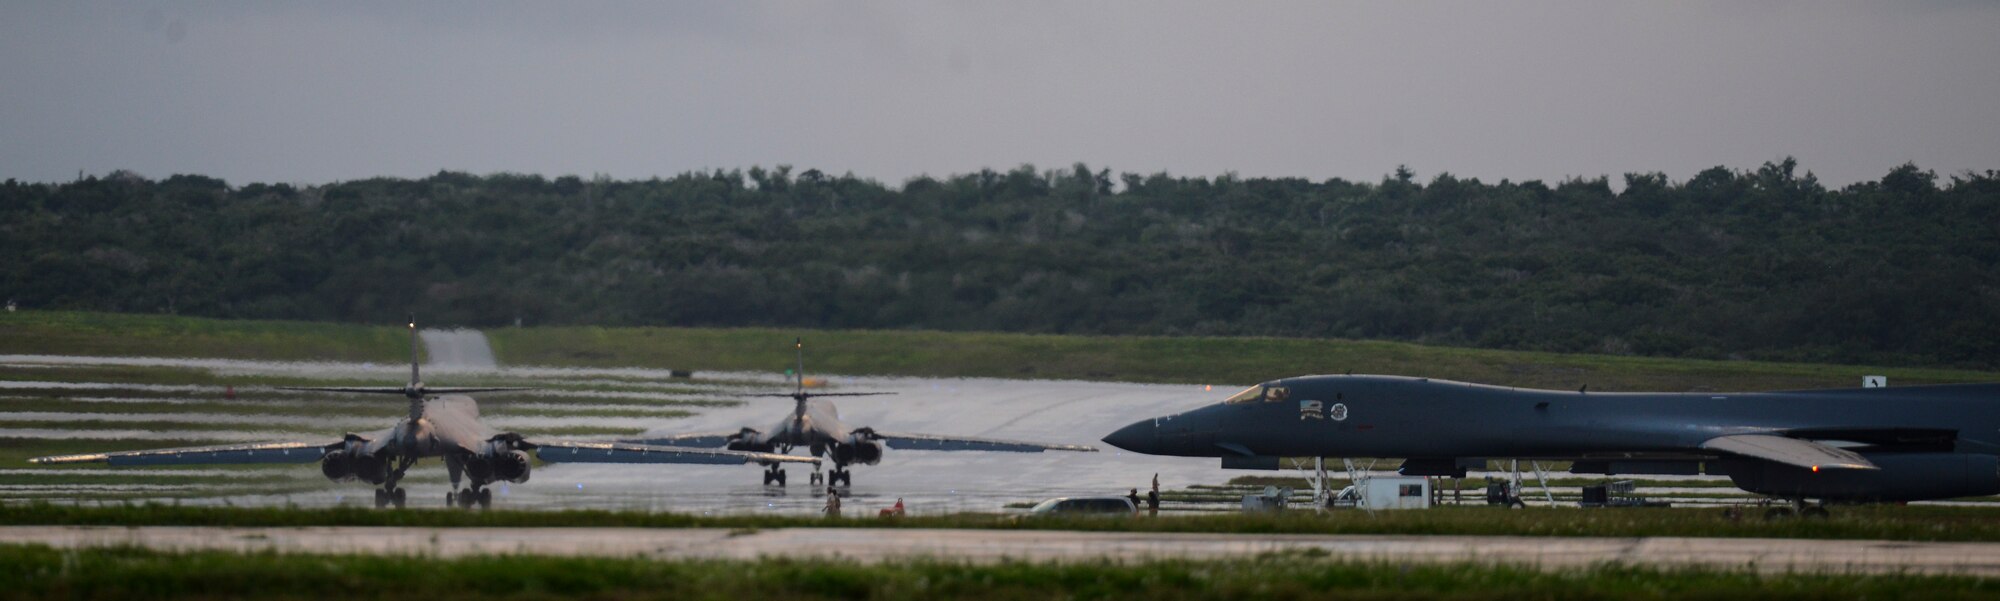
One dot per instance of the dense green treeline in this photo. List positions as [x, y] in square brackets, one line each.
[1763, 263]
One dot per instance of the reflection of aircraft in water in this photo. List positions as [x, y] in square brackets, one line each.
[443, 423]
[815, 424]
[1862, 444]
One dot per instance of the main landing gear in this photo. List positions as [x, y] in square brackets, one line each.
[1772, 513]
[465, 499]
[839, 475]
[390, 494]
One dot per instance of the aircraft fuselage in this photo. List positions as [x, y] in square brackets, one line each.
[1941, 430]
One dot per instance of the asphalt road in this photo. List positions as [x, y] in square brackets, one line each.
[884, 544]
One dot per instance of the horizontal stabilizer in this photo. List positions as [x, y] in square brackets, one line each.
[932, 442]
[794, 395]
[396, 391]
[472, 390]
[624, 452]
[354, 389]
[1790, 451]
[261, 452]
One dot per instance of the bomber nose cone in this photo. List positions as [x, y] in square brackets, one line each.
[1140, 437]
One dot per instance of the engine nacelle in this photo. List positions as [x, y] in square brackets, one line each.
[511, 466]
[749, 440]
[1903, 477]
[479, 468]
[864, 452]
[351, 465]
[338, 466]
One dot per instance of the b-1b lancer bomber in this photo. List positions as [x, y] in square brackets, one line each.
[443, 423]
[815, 424]
[1841, 445]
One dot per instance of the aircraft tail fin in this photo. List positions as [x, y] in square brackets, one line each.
[416, 381]
[415, 390]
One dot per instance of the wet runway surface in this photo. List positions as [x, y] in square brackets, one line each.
[929, 482]
[882, 544]
[39, 411]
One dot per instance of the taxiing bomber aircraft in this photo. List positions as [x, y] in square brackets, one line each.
[815, 424]
[1841, 445]
[442, 423]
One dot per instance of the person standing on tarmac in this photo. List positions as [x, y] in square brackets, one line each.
[1134, 496]
[1153, 498]
[832, 504]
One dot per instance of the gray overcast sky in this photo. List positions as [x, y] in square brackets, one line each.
[309, 94]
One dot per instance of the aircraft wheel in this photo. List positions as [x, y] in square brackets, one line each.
[1517, 504]
[1777, 513]
[400, 497]
[486, 498]
[767, 477]
[1815, 513]
[816, 479]
[450, 499]
[381, 498]
[781, 477]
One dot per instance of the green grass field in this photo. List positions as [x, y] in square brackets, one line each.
[115, 334]
[1198, 360]
[41, 572]
[1915, 523]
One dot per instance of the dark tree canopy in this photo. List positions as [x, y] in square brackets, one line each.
[1763, 263]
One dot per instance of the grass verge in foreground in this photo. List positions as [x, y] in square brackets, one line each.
[40, 572]
[1921, 523]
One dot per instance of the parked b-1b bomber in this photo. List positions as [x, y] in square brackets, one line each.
[1845, 445]
[442, 423]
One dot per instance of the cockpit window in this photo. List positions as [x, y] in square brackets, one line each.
[1249, 394]
[1273, 394]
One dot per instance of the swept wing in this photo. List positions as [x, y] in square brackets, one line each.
[259, 452]
[1790, 451]
[626, 452]
[934, 442]
[692, 439]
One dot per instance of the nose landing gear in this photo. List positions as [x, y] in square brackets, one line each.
[774, 474]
